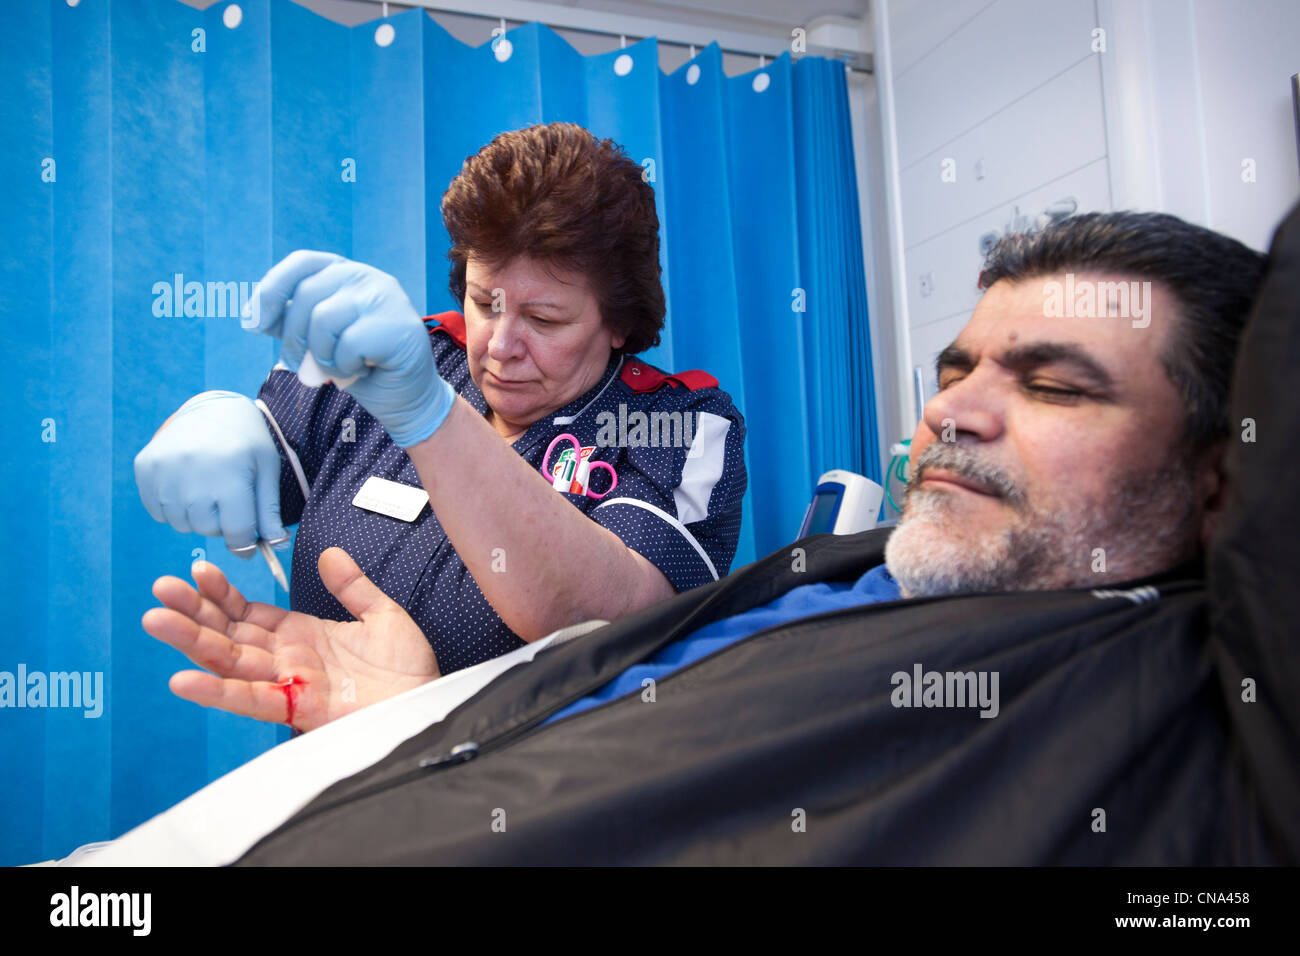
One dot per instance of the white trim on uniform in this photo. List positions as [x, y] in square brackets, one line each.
[703, 467]
[570, 419]
[671, 520]
[288, 450]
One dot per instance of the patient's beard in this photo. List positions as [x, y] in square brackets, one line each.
[1148, 524]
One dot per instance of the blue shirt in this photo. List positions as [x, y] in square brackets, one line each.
[676, 504]
[876, 585]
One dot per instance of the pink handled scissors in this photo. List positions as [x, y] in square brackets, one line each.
[563, 476]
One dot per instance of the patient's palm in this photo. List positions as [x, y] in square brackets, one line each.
[283, 666]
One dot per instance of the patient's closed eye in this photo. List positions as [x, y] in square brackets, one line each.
[1055, 392]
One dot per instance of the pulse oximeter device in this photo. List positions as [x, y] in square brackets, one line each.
[844, 502]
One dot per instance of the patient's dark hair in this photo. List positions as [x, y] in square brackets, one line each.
[1213, 278]
[557, 194]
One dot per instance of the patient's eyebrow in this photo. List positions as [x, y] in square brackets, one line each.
[1024, 358]
[952, 357]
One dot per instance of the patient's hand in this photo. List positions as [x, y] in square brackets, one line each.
[286, 667]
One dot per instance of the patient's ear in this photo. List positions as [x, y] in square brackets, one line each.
[1211, 487]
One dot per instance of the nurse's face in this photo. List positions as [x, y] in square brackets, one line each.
[1052, 454]
[535, 340]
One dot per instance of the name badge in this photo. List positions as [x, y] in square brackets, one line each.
[392, 498]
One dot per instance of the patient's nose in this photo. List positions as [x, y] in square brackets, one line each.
[968, 407]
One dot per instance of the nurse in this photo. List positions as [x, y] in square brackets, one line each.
[555, 256]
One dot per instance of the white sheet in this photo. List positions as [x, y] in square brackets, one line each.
[219, 823]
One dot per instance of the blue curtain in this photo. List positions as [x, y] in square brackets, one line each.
[153, 149]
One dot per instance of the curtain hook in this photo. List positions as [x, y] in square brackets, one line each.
[762, 61]
[622, 41]
[385, 8]
[692, 51]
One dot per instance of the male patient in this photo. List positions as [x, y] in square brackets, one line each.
[1073, 650]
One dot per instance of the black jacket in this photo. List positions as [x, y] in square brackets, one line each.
[1125, 712]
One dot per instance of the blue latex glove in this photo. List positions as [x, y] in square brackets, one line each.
[357, 321]
[214, 469]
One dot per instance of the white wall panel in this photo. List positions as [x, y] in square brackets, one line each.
[918, 25]
[1054, 129]
[1010, 48]
[1247, 54]
[953, 258]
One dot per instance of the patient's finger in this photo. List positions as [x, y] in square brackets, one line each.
[180, 597]
[345, 580]
[213, 585]
[262, 700]
[208, 648]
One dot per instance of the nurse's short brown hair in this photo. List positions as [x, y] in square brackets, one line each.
[556, 194]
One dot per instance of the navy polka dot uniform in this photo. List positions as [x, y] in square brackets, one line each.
[676, 443]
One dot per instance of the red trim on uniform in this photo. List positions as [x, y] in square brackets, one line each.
[453, 323]
[694, 379]
[640, 377]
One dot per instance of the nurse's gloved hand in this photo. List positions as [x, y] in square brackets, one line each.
[214, 470]
[356, 321]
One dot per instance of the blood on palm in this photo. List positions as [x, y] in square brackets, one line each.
[289, 685]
